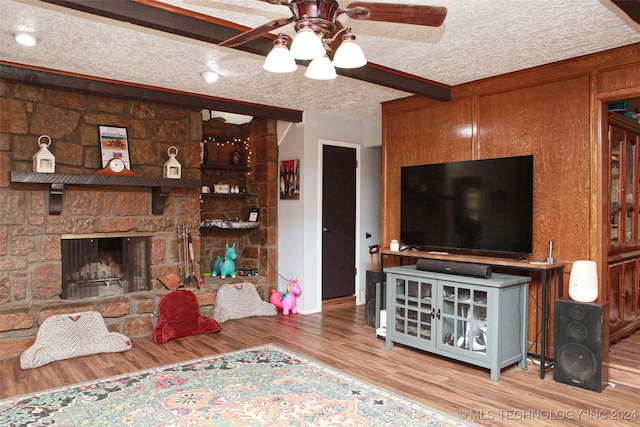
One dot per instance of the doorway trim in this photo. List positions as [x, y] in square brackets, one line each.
[357, 147]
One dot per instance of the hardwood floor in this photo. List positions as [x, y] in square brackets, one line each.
[339, 337]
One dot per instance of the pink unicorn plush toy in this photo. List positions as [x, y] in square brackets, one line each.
[286, 301]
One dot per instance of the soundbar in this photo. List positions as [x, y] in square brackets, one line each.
[453, 267]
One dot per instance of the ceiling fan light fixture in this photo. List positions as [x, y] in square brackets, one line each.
[349, 54]
[26, 39]
[280, 59]
[321, 69]
[307, 45]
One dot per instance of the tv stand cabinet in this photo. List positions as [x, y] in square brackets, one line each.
[551, 286]
[475, 320]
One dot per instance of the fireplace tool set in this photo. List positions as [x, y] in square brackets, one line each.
[188, 270]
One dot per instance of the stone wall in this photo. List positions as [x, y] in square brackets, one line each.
[30, 248]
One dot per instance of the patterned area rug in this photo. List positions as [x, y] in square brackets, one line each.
[261, 386]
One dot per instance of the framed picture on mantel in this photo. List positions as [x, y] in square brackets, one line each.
[114, 145]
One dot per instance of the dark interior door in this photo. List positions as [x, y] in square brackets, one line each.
[338, 221]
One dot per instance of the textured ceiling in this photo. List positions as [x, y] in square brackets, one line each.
[479, 39]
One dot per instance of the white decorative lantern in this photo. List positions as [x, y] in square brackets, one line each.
[43, 160]
[172, 168]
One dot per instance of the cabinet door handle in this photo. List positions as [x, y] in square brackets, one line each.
[438, 315]
[433, 313]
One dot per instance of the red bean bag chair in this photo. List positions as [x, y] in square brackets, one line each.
[179, 316]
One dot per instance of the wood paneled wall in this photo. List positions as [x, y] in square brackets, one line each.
[555, 112]
[550, 121]
[548, 112]
[440, 133]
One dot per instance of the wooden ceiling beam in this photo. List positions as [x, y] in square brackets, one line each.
[43, 77]
[157, 18]
[212, 30]
[630, 7]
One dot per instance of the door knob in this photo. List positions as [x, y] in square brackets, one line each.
[325, 229]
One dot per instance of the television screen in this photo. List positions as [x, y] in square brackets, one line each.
[477, 205]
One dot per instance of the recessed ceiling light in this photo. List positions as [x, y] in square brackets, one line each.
[210, 76]
[26, 39]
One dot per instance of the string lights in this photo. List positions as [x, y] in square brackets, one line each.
[238, 143]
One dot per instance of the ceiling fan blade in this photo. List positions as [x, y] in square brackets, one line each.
[256, 32]
[430, 16]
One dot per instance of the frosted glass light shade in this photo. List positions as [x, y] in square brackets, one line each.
[307, 45]
[321, 69]
[280, 60]
[349, 55]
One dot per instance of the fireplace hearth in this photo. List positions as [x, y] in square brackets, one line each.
[102, 265]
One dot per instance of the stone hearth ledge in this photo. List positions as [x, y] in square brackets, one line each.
[133, 314]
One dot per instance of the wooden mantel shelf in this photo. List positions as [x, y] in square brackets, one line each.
[160, 186]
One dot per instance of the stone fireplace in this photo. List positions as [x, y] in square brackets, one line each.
[39, 217]
[105, 265]
[74, 240]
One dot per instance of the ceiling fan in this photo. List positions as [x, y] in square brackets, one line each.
[322, 16]
[323, 40]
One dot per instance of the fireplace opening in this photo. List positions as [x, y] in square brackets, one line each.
[97, 266]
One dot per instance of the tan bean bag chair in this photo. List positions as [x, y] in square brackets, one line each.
[235, 301]
[65, 336]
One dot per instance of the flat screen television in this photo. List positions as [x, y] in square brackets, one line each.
[477, 205]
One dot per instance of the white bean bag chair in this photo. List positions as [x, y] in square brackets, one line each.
[65, 336]
[235, 301]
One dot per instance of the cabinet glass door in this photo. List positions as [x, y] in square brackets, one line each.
[464, 319]
[623, 164]
[630, 233]
[616, 138]
[414, 310]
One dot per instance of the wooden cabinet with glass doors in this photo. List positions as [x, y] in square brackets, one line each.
[623, 290]
[476, 320]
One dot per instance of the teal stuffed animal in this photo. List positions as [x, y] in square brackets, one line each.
[226, 266]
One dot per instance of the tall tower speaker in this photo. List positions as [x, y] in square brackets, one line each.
[581, 339]
[373, 302]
